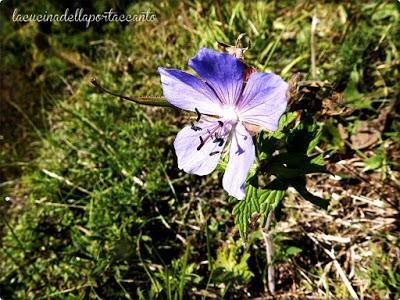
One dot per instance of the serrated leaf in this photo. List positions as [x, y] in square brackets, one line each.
[286, 119]
[257, 201]
[268, 200]
[229, 264]
[244, 209]
[314, 142]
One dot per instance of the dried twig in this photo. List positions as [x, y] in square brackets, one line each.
[342, 275]
[314, 22]
[65, 180]
[339, 269]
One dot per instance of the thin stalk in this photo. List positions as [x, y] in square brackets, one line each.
[18, 241]
[143, 100]
[314, 22]
[269, 251]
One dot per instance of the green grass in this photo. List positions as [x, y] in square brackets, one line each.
[98, 207]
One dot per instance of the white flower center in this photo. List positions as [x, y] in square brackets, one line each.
[229, 113]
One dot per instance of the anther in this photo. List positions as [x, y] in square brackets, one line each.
[201, 143]
[198, 114]
[195, 128]
[220, 141]
[213, 153]
[221, 123]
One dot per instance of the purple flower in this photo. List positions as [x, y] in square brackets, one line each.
[226, 107]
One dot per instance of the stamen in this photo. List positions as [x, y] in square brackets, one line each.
[201, 143]
[220, 123]
[220, 141]
[198, 114]
[195, 128]
[210, 134]
[214, 152]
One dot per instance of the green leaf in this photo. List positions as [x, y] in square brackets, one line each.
[332, 134]
[353, 98]
[268, 200]
[286, 119]
[266, 145]
[258, 202]
[300, 137]
[314, 142]
[373, 162]
[318, 160]
[293, 251]
[222, 163]
[244, 209]
[288, 165]
[232, 267]
[299, 184]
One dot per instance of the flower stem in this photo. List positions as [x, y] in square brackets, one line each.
[269, 250]
[143, 100]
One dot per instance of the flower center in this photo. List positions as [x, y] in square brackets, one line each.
[230, 114]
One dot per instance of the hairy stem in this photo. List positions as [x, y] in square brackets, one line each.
[151, 101]
[269, 250]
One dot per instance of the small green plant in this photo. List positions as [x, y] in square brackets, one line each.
[231, 268]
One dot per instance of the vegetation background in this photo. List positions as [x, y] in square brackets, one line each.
[93, 205]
